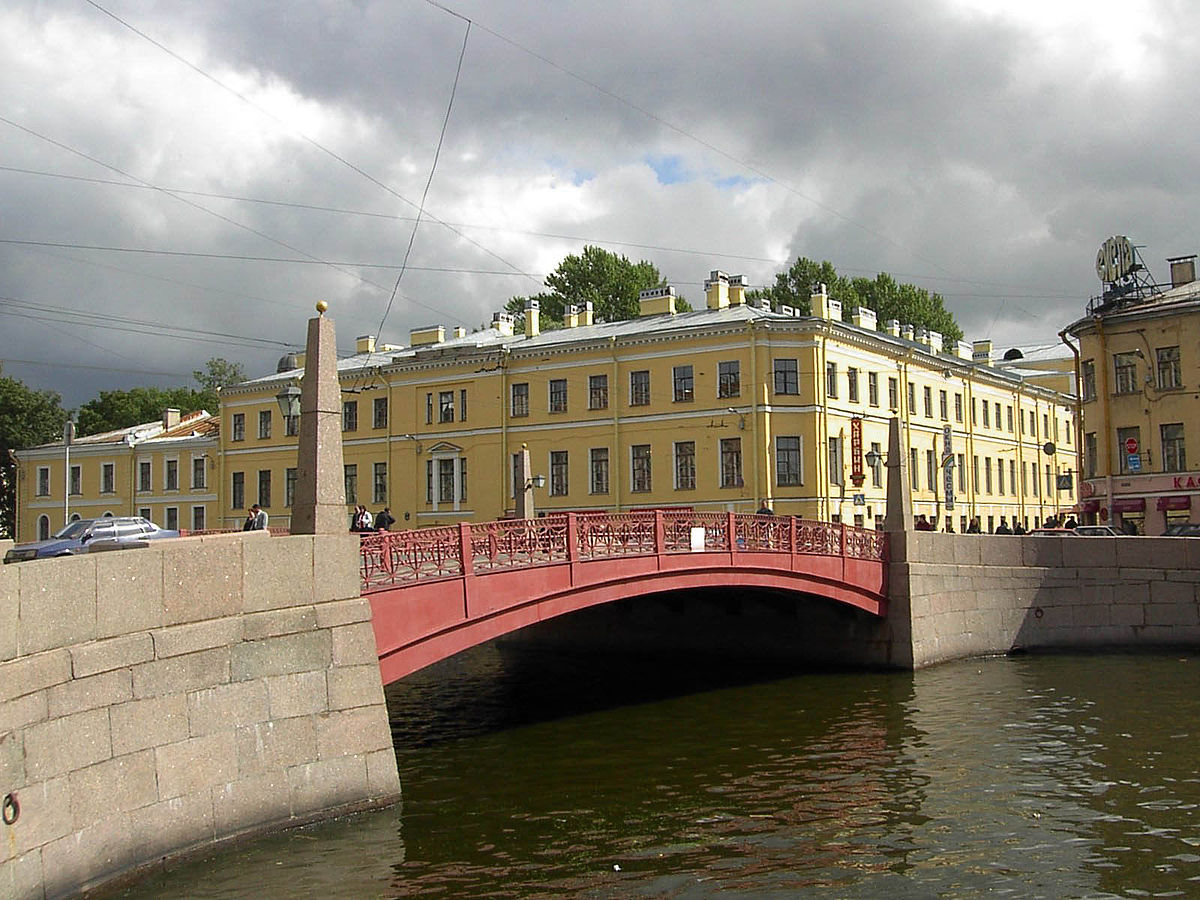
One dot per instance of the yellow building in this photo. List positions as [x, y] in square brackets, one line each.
[723, 408]
[165, 471]
[1137, 357]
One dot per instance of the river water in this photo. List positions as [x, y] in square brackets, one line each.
[544, 776]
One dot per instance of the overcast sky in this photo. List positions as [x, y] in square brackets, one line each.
[183, 181]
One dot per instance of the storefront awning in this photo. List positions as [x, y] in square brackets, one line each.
[1178, 501]
[1129, 505]
[1089, 506]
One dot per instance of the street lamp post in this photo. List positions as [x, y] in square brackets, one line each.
[68, 438]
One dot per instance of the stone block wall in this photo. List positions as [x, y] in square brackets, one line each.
[971, 595]
[160, 700]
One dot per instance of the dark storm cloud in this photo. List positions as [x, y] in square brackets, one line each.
[981, 154]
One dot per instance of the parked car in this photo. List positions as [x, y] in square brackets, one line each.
[109, 533]
[1182, 529]
[1053, 532]
[1097, 531]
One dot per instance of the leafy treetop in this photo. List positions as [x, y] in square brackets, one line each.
[27, 418]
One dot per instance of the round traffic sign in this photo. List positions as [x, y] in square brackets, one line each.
[1131, 445]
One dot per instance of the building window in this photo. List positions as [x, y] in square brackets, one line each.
[729, 379]
[1087, 380]
[1091, 454]
[350, 480]
[171, 475]
[685, 465]
[462, 404]
[961, 464]
[873, 388]
[927, 396]
[836, 469]
[1012, 475]
[1008, 418]
[930, 470]
[1174, 458]
[445, 407]
[1125, 370]
[1032, 423]
[987, 474]
[43, 481]
[379, 412]
[998, 425]
[429, 479]
[877, 468]
[958, 408]
[1049, 482]
[199, 472]
[944, 406]
[598, 470]
[289, 487]
[640, 469]
[558, 395]
[1168, 368]
[379, 483]
[520, 400]
[76, 480]
[429, 408]
[831, 387]
[172, 521]
[597, 392]
[912, 398]
[239, 427]
[350, 415]
[893, 394]
[787, 376]
[987, 416]
[1034, 475]
[639, 388]
[291, 425]
[731, 462]
[788, 461]
[975, 474]
[683, 382]
[43, 528]
[974, 407]
[558, 473]
[264, 423]
[852, 385]
[145, 482]
[237, 498]
[445, 481]
[264, 488]
[198, 518]
[107, 478]
[1000, 476]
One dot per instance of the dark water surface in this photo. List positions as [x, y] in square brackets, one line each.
[1055, 776]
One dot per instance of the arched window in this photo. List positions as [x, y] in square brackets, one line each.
[43, 530]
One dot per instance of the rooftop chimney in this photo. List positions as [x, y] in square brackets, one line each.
[964, 350]
[657, 301]
[571, 316]
[716, 289]
[170, 418]
[737, 290]
[1183, 270]
[587, 312]
[864, 317]
[425, 335]
[459, 332]
[892, 327]
[533, 318]
[981, 352]
[503, 323]
[822, 306]
[364, 343]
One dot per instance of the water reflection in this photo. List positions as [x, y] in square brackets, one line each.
[538, 776]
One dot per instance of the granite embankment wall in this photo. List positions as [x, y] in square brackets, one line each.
[158, 701]
[973, 595]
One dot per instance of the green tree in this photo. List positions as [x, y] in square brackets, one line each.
[610, 281]
[889, 298]
[27, 418]
[122, 409]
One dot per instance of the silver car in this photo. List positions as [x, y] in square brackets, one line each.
[84, 535]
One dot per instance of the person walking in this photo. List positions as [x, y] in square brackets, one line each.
[1003, 527]
[384, 520]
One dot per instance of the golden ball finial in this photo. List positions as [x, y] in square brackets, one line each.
[322, 306]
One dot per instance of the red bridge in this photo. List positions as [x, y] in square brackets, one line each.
[437, 591]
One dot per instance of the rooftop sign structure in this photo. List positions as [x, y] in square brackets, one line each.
[1125, 278]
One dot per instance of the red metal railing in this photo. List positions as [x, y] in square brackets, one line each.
[401, 557]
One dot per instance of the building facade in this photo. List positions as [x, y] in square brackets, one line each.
[1140, 403]
[724, 408]
[165, 471]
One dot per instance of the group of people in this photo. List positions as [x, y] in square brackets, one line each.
[256, 519]
[974, 527]
[362, 519]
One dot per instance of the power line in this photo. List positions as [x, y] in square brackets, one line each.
[429, 181]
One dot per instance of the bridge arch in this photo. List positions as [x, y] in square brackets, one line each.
[437, 592]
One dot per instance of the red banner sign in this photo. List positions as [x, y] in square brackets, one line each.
[856, 453]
